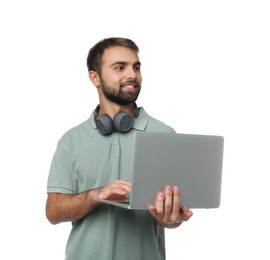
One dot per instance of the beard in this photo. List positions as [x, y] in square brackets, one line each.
[119, 96]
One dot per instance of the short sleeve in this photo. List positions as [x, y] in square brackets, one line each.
[60, 177]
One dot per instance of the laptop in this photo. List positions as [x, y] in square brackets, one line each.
[191, 162]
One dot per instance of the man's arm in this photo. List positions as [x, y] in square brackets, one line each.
[66, 207]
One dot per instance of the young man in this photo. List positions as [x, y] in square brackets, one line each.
[92, 162]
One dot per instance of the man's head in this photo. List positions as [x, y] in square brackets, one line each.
[114, 68]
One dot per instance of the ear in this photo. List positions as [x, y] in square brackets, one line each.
[94, 77]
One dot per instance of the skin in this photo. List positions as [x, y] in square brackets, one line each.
[121, 72]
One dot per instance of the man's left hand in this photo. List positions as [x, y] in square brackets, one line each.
[167, 210]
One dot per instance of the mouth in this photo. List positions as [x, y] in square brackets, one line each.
[129, 85]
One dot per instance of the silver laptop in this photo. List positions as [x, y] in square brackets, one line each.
[191, 162]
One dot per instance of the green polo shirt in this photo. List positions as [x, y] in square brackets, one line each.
[84, 160]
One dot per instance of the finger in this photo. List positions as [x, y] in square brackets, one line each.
[176, 204]
[168, 203]
[159, 204]
[115, 190]
[152, 210]
[187, 213]
[119, 187]
[126, 185]
[117, 197]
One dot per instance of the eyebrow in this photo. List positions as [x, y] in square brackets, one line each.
[124, 63]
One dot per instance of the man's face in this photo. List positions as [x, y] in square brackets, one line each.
[120, 75]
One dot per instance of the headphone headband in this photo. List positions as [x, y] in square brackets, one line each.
[122, 121]
[136, 111]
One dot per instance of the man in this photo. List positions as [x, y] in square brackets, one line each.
[92, 162]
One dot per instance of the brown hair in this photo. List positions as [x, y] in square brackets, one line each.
[95, 54]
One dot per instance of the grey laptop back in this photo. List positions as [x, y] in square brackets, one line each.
[191, 162]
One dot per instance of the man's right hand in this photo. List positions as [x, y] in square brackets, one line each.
[116, 190]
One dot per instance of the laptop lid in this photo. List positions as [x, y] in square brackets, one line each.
[191, 162]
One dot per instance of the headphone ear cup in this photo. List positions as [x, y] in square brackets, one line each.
[123, 122]
[104, 124]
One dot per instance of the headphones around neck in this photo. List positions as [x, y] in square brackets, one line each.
[122, 121]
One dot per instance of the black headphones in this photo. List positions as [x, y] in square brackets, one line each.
[122, 121]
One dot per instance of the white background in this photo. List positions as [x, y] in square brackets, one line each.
[205, 68]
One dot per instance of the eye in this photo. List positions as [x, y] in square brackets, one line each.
[119, 68]
[137, 68]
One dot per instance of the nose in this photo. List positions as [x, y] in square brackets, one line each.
[131, 73]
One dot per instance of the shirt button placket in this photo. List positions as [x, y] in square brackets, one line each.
[115, 143]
